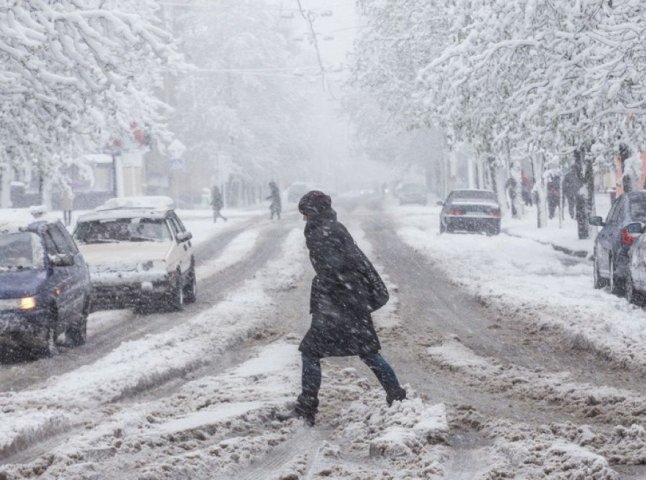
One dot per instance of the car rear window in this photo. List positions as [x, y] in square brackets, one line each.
[122, 230]
[473, 195]
[20, 250]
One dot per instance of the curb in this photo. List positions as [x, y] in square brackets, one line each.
[558, 248]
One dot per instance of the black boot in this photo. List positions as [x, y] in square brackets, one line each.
[306, 408]
[396, 395]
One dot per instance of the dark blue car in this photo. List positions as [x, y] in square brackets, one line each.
[614, 241]
[44, 288]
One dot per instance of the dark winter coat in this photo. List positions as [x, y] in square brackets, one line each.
[216, 199]
[571, 184]
[342, 291]
[274, 196]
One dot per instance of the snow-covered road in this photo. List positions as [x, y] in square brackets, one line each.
[515, 366]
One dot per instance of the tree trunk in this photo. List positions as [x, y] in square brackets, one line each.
[5, 186]
[538, 192]
[583, 166]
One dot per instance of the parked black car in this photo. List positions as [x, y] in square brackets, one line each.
[471, 210]
[613, 243]
[44, 287]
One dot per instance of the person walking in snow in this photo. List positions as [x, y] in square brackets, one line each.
[345, 290]
[217, 204]
[526, 189]
[67, 205]
[553, 193]
[571, 187]
[275, 206]
[510, 187]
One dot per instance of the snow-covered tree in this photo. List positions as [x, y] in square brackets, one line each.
[396, 40]
[243, 102]
[549, 79]
[74, 74]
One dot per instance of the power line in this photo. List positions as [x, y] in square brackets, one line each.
[211, 7]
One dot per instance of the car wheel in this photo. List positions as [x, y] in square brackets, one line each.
[448, 228]
[615, 283]
[176, 293]
[632, 295]
[76, 335]
[49, 346]
[599, 281]
[190, 290]
[493, 229]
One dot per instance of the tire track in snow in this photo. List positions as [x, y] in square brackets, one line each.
[106, 329]
[238, 248]
[139, 364]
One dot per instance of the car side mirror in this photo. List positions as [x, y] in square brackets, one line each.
[596, 221]
[440, 204]
[61, 260]
[184, 237]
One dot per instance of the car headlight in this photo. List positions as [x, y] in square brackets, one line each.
[24, 303]
[27, 303]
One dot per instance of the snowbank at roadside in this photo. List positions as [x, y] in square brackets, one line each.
[563, 235]
[533, 283]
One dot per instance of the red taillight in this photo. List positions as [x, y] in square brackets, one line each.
[496, 213]
[627, 238]
[456, 211]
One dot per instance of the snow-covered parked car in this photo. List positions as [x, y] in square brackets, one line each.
[472, 210]
[137, 256]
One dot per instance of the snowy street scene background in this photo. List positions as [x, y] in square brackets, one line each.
[183, 188]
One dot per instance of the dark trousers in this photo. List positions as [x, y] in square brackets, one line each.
[67, 217]
[571, 205]
[217, 214]
[311, 378]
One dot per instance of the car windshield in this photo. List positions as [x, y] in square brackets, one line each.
[473, 195]
[20, 250]
[122, 230]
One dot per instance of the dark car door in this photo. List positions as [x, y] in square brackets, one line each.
[608, 237]
[73, 295]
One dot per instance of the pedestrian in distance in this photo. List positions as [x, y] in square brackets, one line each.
[345, 291]
[510, 187]
[571, 187]
[553, 193]
[526, 189]
[275, 206]
[217, 204]
[67, 205]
